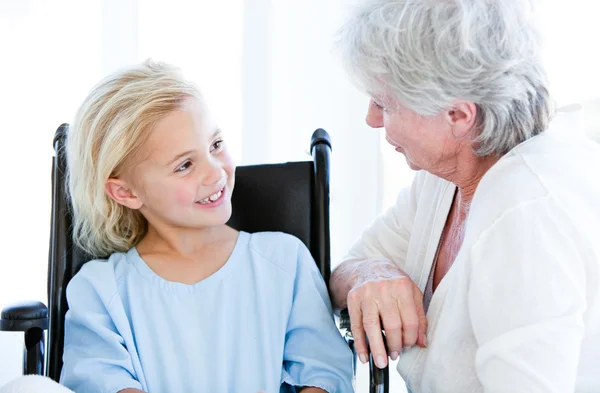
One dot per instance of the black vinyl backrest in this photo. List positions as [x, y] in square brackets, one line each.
[291, 197]
[274, 198]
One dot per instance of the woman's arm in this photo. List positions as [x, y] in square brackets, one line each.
[356, 272]
[381, 250]
[375, 289]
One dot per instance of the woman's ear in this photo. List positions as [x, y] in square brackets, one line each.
[121, 193]
[461, 117]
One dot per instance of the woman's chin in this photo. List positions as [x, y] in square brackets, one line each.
[412, 165]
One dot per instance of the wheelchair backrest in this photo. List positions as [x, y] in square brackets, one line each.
[291, 197]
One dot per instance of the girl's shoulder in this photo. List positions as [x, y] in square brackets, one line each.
[101, 275]
[278, 248]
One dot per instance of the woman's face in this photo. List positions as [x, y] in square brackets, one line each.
[427, 142]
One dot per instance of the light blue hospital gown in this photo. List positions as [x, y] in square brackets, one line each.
[262, 322]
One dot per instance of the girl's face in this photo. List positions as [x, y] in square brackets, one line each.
[184, 175]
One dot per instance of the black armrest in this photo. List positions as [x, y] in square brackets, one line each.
[21, 317]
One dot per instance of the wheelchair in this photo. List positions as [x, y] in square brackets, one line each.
[290, 197]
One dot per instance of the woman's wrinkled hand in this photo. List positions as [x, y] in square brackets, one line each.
[384, 297]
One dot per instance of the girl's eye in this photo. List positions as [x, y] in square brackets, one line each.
[183, 166]
[217, 145]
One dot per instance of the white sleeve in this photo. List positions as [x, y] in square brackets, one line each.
[388, 236]
[527, 300]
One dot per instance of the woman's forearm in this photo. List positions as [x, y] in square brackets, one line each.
[341, 282]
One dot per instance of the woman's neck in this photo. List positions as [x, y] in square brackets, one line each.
[467, 173]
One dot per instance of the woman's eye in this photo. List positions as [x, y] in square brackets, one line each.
[217, 145]
[183, 166]
[379, 106]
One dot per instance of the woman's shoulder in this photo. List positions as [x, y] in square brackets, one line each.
[550, 168]
[543, 165]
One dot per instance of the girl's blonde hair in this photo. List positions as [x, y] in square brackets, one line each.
[109, 128]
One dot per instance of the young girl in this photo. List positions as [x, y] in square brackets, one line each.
[184, 303]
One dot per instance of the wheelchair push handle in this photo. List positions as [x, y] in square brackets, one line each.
[320, 136]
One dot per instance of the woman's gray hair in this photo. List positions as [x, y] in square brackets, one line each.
[428, 53]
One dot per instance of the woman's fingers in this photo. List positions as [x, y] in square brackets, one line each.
[392, 304]
[408, 312]
[418, 299]
[356, 326]
[392, 325]
[372, 327]
[366, 328]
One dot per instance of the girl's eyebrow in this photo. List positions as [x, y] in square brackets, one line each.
[217, 132]
[185, 153]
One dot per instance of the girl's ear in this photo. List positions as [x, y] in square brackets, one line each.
[119, 191]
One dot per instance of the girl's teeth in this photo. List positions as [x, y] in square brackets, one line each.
[212, 198]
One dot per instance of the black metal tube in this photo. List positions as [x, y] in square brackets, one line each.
[33, 352]
[59, 262]
[321, 151]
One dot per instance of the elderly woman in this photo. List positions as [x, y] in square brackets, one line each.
[485, 274]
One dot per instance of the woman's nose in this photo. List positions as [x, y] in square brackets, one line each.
[374, 115]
